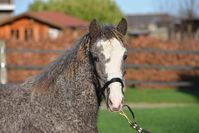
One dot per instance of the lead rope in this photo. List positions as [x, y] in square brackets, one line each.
[132, 123]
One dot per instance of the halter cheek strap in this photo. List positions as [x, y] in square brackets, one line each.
[112, 81]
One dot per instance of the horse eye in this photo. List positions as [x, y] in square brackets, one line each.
[124, 57]
[124, 73]
[95, 58]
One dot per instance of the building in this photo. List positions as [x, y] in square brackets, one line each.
[6, 8]
[37, 26]
[190, 28]
[35, 39]
[155, 25]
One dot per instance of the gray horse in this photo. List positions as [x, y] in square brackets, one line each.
[66, 95]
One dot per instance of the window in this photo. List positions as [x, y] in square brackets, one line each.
[15, 34]
[28, 34]
[6, 1]
[53, 33]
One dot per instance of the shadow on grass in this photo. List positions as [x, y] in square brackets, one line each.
[193, 89]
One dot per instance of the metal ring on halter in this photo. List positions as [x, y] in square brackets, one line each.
[130, 110]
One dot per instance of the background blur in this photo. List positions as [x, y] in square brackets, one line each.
[163, 53]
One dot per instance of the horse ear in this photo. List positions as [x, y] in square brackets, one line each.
[94, 29]
[122, 26]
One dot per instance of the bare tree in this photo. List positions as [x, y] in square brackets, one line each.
[165, 6]
[182, 8]
[188, 9]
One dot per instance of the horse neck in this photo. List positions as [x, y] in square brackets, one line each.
[79, 64]
[73, 72]
[73, 65]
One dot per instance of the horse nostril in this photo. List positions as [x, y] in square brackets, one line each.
[110, 102]
[124, 73]
[116, 108]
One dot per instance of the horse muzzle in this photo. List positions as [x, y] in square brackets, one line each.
[115, 94]
[115, 106]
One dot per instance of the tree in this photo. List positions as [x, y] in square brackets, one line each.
[165, 6]
[103, 10]
[187, 9]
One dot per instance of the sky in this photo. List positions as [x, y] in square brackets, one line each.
[136, 6]
[126, 6]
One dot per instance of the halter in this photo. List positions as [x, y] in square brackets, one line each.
[109, 82]
[132, 123]
[112, 81]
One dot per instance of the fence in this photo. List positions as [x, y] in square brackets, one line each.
[134, 82]
[3, 71]
[184, 83]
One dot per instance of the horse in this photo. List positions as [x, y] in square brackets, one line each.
[65, 96]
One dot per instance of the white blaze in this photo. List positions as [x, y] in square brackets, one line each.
[113, 51]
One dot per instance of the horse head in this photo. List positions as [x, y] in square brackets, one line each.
[108, 54]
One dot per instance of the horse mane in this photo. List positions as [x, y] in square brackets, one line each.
[110, 31]
[69, 60]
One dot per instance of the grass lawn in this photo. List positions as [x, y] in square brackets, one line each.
[161, 96]
[156, 120]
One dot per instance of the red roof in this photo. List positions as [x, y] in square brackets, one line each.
[55, 19]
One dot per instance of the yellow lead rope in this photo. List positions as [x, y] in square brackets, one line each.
[122, 113]
[132, 123]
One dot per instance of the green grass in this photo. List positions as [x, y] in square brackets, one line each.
[160, 96]
[157, 120]
[182, 119]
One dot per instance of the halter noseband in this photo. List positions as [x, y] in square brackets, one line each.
[112, 81]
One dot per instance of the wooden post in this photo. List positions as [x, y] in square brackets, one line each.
[3, 71]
